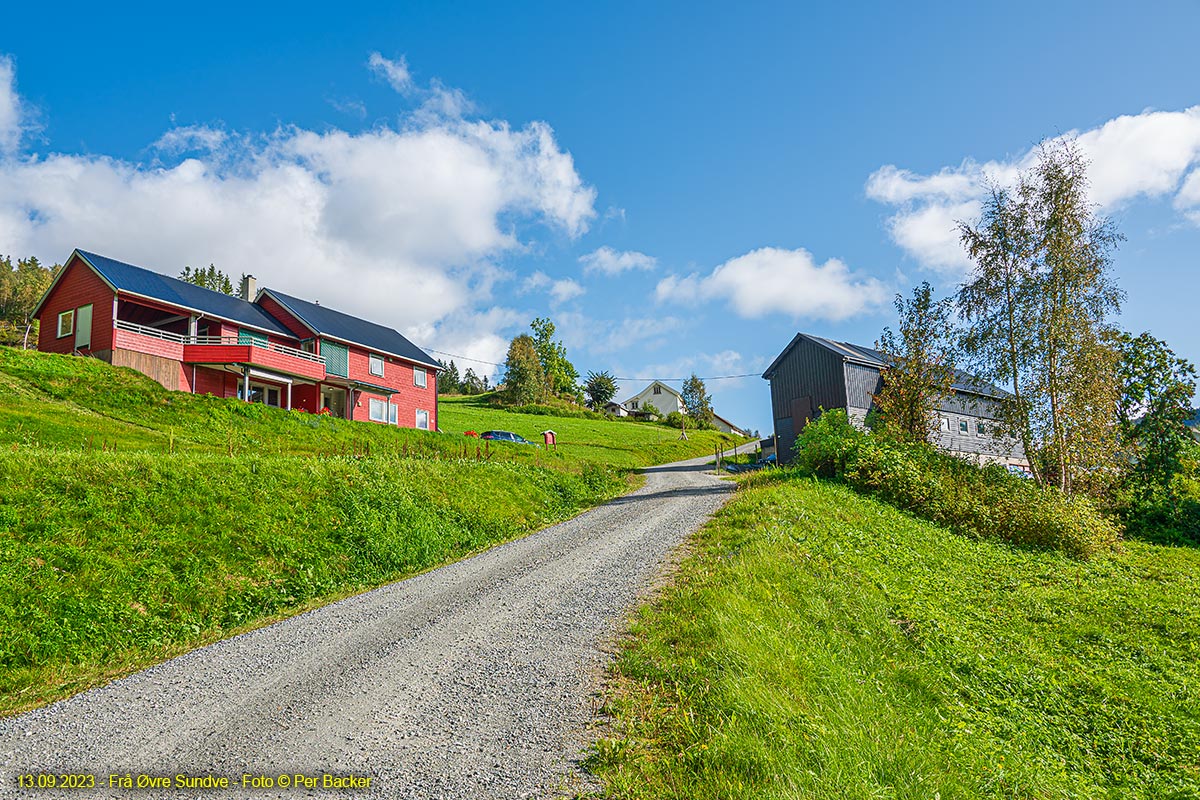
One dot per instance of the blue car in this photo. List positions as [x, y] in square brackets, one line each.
[504, 436]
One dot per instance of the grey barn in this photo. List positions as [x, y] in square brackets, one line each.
[813, 374]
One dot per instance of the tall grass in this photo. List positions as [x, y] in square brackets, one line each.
[819, 644]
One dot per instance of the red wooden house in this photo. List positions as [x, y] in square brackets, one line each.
[264, 347]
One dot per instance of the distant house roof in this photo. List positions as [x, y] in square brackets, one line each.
[325, 321]
[729, 424]
[651, 385]
[128, 279]
[857, 354]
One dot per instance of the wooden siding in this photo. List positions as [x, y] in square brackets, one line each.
[167, 371]
[255, 356]
[285, 317]
[78, 286]
[862, 384]
[807, 371]
[215, 382]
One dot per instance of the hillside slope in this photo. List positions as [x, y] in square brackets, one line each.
[820, 644]
[136, 523]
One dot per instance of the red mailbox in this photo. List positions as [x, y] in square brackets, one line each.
[550, 438]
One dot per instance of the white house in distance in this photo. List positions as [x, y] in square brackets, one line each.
[659, 395]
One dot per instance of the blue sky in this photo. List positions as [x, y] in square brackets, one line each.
[680, 187]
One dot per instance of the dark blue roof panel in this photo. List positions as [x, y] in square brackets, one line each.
[147, 283]
[337, 325]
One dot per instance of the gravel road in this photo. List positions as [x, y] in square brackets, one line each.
[473, 680]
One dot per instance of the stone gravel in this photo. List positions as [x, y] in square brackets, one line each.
[474, 680]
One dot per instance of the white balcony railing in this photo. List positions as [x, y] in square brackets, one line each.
[145, 330]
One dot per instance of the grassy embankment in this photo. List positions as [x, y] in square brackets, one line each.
[820, 644]
[137, 523]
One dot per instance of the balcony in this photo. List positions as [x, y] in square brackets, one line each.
[255, 352]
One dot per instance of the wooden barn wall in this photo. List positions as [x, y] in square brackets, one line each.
[808, 370]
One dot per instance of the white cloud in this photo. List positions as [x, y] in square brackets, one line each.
[600, 337]
[394, 72]
[1131, 156]
[401, 226]
[191, 138]
[472, 339]
[10, 107]
[772, 280]
[560, 291]
[614, 262]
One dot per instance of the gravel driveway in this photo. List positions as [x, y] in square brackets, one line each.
[473, 680]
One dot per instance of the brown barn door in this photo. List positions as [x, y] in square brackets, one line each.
[801, 413]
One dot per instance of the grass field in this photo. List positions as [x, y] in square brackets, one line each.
[136, 523]
[819, 644]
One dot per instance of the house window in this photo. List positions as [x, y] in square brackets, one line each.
[392, 409]
[66, 323]
[980, 429]
[378, 410]
[418, 377]
[633, 404]
[375, 364]
[964, 426]
[658, 390]
[945, 424]
[422, 419]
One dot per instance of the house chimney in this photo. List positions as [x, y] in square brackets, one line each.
[249, 287]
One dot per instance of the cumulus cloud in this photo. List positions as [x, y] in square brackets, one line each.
[10, 107]
[399, 225]
[1149, 155]
[775, 281]
[643, 334]
[614, 262]
[394, 72]
[560, 291]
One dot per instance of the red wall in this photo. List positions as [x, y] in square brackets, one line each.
[78, 286]
[216, 382]
[397, 374]
[285, 318]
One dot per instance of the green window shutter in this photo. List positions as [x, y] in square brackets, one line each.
[251, 337]
[337, 358]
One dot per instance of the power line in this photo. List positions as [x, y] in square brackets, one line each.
[709, 378]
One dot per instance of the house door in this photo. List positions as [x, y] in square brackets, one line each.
[334, 399]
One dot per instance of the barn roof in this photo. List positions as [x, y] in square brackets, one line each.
[128, 279]
[869, 357]
[324, 321]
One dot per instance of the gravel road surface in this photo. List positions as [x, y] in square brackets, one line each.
[475, 680]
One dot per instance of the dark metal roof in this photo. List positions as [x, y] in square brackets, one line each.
[336, 325]
[147, 283]
[963, 381]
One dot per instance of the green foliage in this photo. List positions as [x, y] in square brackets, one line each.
[679, 421]
[650, 410]
[21, 286]
[524, 380]
[920, 368]
[472, 383]
[697, 401]
[600, 388]
[977, 501]
[1153, 407]
[1036, 305]
[822, 645]
[211, 278]
[561, 376]
[448, 381]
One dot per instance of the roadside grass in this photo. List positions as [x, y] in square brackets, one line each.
[136, 523]
[121, 559]
[820, 644]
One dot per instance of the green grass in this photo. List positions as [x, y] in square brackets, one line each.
[136, 523]
[819, 644]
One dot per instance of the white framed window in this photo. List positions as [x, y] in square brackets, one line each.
[375, 364]
[419, 377]
[633, 404]
[658, 390]
[422, 419]
[980, 429]
[944, 424]
[66, 323]
[392, 411]
[377, 410]
[964, 426]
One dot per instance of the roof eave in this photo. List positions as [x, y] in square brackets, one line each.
[37, 309]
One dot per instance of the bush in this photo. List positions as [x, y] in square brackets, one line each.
[977, 501]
